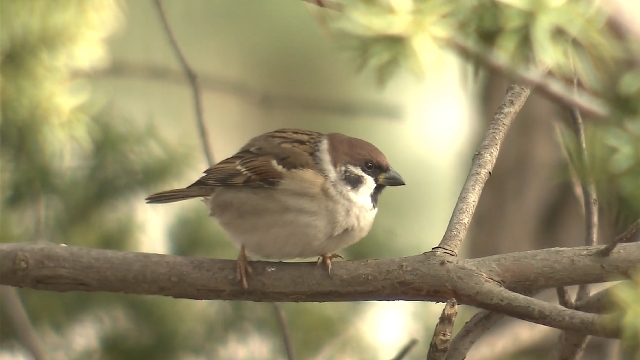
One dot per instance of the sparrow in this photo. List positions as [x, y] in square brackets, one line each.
[293, 193]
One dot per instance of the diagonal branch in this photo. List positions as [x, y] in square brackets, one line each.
[406, 349]
[256, 97]
[284, 329]
[443, 331]
[549, 87]
[193, 79]
[18, 317]
[470, 333]
[483, 162]
[46, 266]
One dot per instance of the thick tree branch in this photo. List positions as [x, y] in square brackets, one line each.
[424, 277]
[481, 167]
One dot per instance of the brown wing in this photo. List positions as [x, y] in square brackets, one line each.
[264, 160]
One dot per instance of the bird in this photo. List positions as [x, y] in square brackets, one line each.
[293, 193]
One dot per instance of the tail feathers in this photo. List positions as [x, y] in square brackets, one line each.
[170, 196]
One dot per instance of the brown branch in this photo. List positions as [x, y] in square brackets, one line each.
[19, 318]
[481, 167]
[564, 298]
[553, 89]
[247, 93]
[605, 251]
[470, 333]
[425, 277]
[601, 302]
[193, 80]
[442, 333]
[571, 345]
[405, 349]
[284, 329]
[514, 336]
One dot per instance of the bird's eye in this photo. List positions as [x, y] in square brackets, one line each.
[369, 166]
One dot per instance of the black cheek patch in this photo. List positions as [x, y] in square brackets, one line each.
[353, 180]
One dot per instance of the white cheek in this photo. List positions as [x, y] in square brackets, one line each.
[362, 195]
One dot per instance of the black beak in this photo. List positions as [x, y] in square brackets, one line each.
[390, 178]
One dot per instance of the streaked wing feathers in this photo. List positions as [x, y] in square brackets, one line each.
[263, 162]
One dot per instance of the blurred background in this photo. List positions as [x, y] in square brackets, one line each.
[97, 114]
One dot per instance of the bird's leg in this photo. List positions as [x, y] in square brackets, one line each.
[326, 259]
[243, 269]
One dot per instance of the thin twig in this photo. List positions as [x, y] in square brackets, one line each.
[284, 328]
[443, 331]
[552, 88]
[251, 94]
[606, 251]
[588, 192]
[483, 162]
[193, 79]
[405, 349]
[18, 317]
[564, 298]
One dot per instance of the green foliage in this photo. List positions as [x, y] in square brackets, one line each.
[628, 298]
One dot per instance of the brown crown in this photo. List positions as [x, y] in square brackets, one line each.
[346, 150]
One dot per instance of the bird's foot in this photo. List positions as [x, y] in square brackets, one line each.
[326, 260]
[242, 267]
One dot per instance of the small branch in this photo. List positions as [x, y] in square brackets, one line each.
[600, 302]
[481, 167]
[470, 333]
[284, 328]
[511, 340]
[553, 89]
[543, 313]
[443, 331]
[571, 345]
[193, 79]
[406, 349]
[47, 266]
[251, 95]
[606, 251]
[564, 298]
[17, 315]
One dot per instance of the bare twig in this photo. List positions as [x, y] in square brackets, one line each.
[254, 96]
[284, 328]
[481, 167]
[553, 89]
[564, 298]
[326, 4]
[572, 344]
[443, 331]
[601, 302]
[478, 282]
[470, 333]
[512, 340]
[193, 79]
[405, 349]
[606, 251]
[19, 318]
